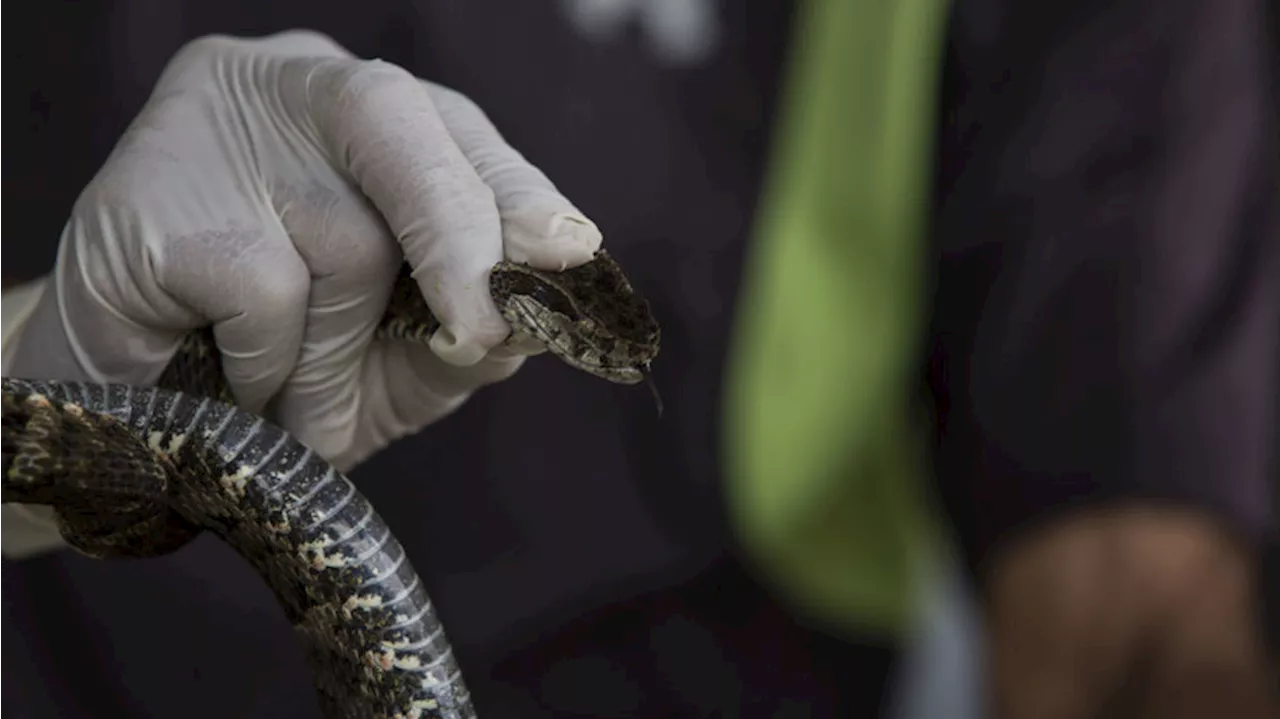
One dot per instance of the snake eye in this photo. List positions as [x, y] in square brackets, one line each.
[555, 300]
[544, 293]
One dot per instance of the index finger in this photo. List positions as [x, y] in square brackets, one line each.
[540, 225]
[379, 124]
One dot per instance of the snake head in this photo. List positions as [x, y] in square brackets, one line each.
[588, 316]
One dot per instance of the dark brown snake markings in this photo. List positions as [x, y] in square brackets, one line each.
[136, 472]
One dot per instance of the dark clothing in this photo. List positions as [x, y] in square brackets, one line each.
[1105, 325]
[1107, 319]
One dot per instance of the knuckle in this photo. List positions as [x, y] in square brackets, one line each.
[338, 234]
[301, 41]
[356, 267]
[204, 48]
[452, 102]
[277, 289]
[351, 80]
[236, 271]
[445, 94]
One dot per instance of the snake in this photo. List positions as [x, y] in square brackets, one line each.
[137, 472]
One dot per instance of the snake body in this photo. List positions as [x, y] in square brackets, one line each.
[139, 472]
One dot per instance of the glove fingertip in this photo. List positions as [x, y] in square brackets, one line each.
[460, 347]
[550, 240]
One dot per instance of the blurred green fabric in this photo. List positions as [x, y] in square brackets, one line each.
[826, 461]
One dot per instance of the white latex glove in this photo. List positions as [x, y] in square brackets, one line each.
[272, 187]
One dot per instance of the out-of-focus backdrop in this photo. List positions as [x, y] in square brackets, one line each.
[576, 548]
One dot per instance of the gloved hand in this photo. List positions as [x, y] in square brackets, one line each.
[272, 187]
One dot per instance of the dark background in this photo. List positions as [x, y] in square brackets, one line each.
[573, 541]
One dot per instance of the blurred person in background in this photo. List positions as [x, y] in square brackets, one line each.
[989, 271]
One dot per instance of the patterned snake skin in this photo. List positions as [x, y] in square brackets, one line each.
[136, 472]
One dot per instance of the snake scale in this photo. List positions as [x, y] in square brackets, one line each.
[139, 472]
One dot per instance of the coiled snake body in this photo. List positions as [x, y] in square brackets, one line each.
[137, 472]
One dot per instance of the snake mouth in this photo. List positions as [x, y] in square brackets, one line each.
[589, 316]
[576, 341]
